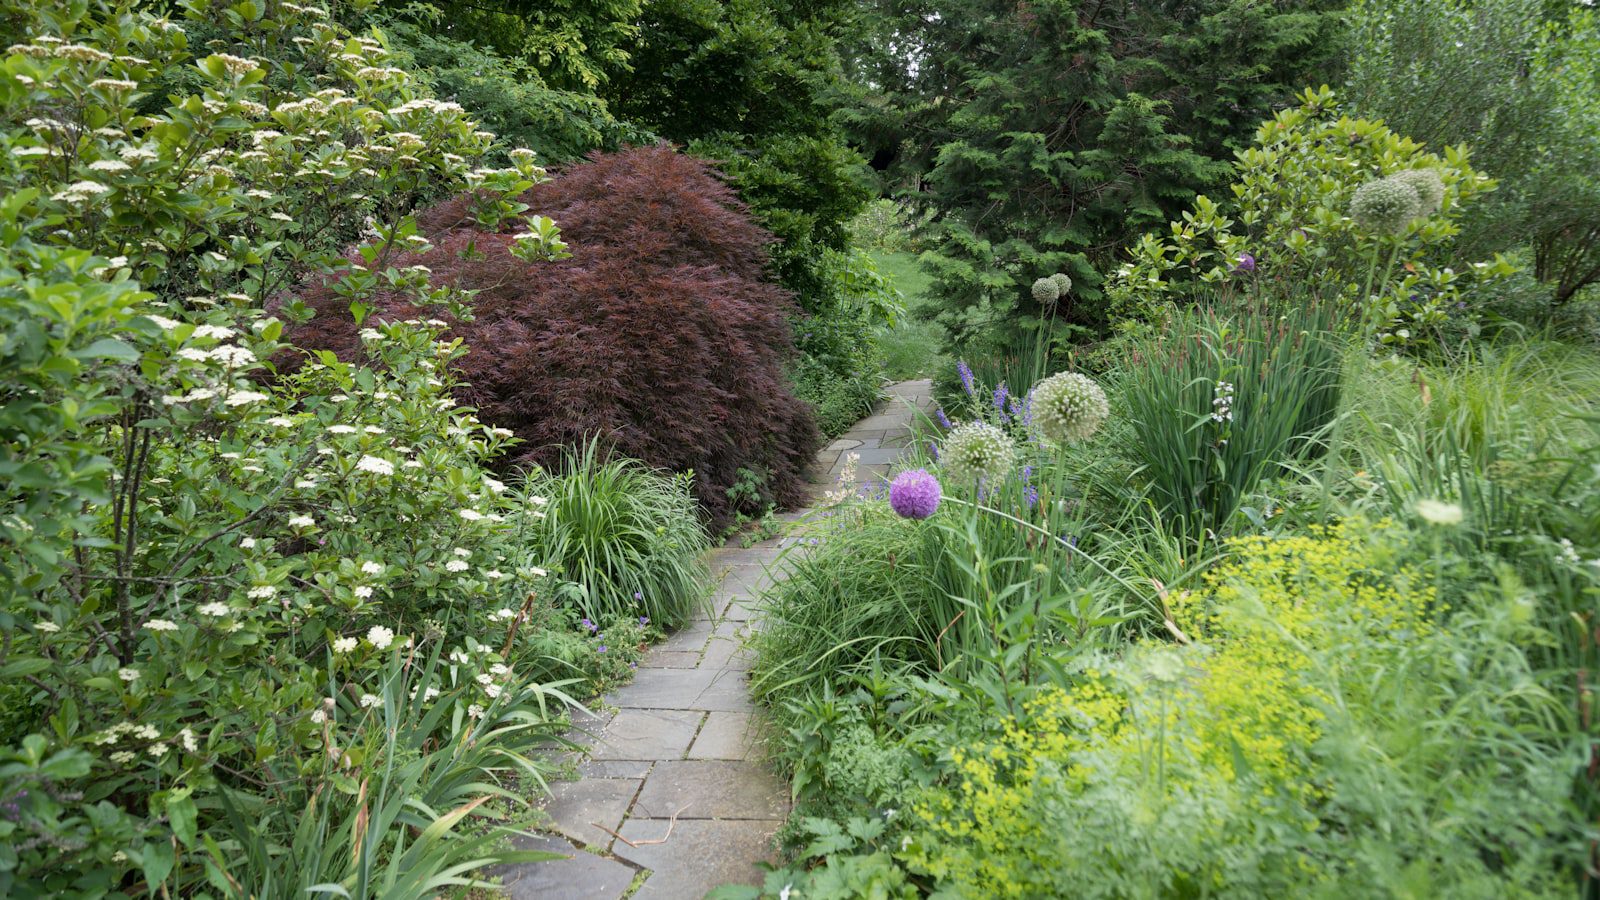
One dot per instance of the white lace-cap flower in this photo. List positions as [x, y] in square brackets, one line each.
[457, 565]
[471, 515]
[341, 429]
[375, 465]
[1437, 512]
[261, 592]
[344, 644]
[380, 637]
[216, 610]
[302, 522]
[161, 625]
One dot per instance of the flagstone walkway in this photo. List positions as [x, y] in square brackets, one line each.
[673, 790]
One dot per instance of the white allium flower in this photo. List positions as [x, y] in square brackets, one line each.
[1385, 206]
[976, 451]
[344, 644]
[161, 625]
[1428, 185]
[375, 465]
[380, 637]
[1068, 407]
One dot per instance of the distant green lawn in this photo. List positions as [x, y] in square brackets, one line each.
[911, 349]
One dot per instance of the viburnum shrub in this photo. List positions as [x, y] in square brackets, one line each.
[662, 335]
[216, 582]
[1303, 216]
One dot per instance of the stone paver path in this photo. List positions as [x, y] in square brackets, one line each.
[673, 788]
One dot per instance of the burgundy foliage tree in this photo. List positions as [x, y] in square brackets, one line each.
[661, 334]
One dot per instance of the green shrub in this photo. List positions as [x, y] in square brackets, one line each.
[1293, 230]
[626, 540]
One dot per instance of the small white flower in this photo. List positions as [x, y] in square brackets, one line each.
[281, 422]
[127, 674]
[380, 637]
[123, 757]
[493, 690]
[240, 398]
[247, 543]
[344, 644]
[505, 613]
[538, 572]
[495, 574]
[372, 568]
[341, 429]
[318, 716]
[216, 610]
[457, 565]
[475, 711]
[368, 701]
[187, 738]
[161, 625]
[375, 465]
[46, 626]
[373, 429]
[1437, 512]
[157, 750]
[302, 522]
[363, 591]
[471, 515]
[261, 592]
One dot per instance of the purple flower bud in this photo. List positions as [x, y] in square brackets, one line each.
[1246, 263]
[915, 494]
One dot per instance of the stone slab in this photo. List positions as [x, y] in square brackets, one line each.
[647, 734]
[728, 691]
[575, 807]
[691, 637]
[727, 653]
[580, 876]
[656, 658]
[712, 789]
[636, 769]
[729, 735]
[663, 689]
[697, 856]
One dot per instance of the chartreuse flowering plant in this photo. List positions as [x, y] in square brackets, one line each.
[214, 573]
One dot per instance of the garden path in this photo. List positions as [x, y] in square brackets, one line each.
[673, 790]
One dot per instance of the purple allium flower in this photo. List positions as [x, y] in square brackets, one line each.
[1246, 263]
[914, 494]
[944, 420]
[967, 382]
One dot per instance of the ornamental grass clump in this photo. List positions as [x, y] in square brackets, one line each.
[1068, 408]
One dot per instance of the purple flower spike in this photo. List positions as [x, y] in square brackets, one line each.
[967, 381]
[1246, 263]
[915, 494]
[944, 420]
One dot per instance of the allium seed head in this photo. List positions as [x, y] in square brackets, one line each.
[1046, 291]
[1068, 407]
[1385, 206]
[1428, 185]
[978, 450]
[1063, 283]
